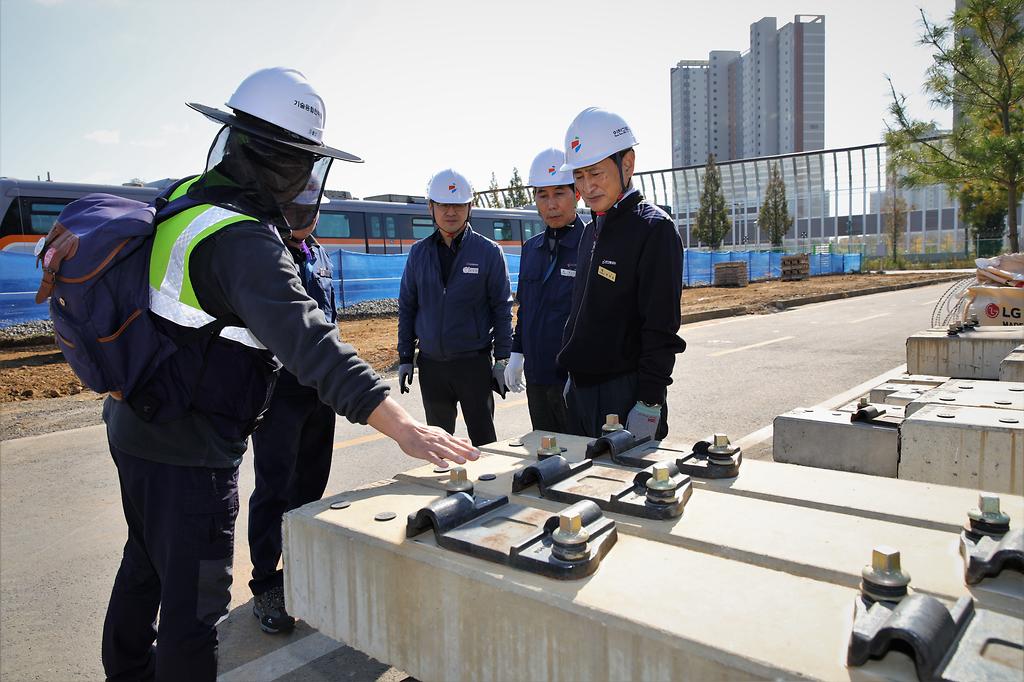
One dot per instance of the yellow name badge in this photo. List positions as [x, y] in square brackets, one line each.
[606, 273]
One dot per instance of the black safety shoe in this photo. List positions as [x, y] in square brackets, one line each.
[269, 608]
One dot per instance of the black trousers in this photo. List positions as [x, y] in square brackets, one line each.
[587, 406]
[466, 382]
[292, 459]
[547, 408]
[181, 531]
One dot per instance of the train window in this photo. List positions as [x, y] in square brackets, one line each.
[502, 230]
[11, 223]
[381, 225]
[334, 225]
[532, 227]
[43, 214]
[422, 227]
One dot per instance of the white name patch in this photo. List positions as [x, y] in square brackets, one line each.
[469, 270]
[568, 273]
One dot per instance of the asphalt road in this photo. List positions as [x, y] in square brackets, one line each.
[61, 526]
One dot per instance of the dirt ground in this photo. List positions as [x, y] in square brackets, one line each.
[30, 375]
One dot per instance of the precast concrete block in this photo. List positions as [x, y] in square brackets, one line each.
[828, 439]
[973, 447]
[829, 545]
[925, 379]
[999, 395]
[1012, 366]
[904, 397]
[972, 354]
[918, 504]
[652, 611]
[880, 394]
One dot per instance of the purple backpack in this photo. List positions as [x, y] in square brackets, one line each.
[96, 275]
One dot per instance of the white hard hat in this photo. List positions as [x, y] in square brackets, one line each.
[285, 99]
[545, 171]
[449, 186]
[593, 136]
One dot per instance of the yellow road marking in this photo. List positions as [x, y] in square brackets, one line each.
[753, 345]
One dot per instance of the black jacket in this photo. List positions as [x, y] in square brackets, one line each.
[625, 302]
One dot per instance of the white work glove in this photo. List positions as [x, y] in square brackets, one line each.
[514, 373]
[498, 378]
[643, 420]
[405, 377]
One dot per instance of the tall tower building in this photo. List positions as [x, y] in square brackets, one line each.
[765, 101]
[689, 112]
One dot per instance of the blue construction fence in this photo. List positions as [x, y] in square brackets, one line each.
[366, 276]
[699, 266]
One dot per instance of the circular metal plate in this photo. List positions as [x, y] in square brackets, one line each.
[487, 477]
[340, 504]
[947, 398]
[1003, 402]
[441, 470]
[1009, 420]
[515, 443]
[384, 516]
[945, 415]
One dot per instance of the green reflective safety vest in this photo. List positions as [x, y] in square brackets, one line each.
[170, 285]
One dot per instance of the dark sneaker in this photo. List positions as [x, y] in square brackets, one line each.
[269, 608]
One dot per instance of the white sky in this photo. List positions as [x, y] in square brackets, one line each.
[94, 90]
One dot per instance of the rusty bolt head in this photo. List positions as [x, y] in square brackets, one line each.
[884, 579]
[570, 523]
[988, 510]
[548, 442]
[458, 475]
[863, 402]
[721, 440]
[661, 478]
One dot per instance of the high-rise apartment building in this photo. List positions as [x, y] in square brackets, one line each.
[765, 101]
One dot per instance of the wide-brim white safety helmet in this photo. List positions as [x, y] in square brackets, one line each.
[449, 186]
[546, 169]
[593, 136]
[284, 99]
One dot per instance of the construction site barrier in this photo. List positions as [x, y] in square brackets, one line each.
[368, 276]
[699, 266]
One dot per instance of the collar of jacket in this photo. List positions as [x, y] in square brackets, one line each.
[624, 205]
[570, 240]
[457, 240]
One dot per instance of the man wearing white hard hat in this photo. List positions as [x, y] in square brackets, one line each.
[547, 272]
[455, 314]
[621, 339]
[227, 300]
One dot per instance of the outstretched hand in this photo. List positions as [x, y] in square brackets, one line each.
[418, 440]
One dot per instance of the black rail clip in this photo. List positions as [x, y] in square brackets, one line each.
[717, 459]
[567, 546]
[949, 644]
[657, 492]
[987, 544]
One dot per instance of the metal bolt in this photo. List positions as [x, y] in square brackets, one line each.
[884, 579]
[863, 402]
[548, 446]
[721, 448]
[611, 423]
[721, 440]
[988, 515]
[569, 540]
[661, 489]
[458, 482]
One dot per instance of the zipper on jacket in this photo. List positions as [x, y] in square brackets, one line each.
[586, 287]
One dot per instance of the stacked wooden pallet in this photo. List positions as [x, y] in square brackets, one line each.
[796, 267]
[731, 274]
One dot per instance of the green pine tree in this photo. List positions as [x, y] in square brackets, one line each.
[712, 218]
[518, 195]
[494, 195]
[774, 217]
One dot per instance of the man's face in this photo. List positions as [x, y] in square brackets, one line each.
[599, 185]
[301, 234]
[450, 217]
[556, 205]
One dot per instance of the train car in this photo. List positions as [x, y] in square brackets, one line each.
[28, 210]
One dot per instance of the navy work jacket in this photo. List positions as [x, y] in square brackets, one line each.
[545, 300]
[472, 314]
[317, 275]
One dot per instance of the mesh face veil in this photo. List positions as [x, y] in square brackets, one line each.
[280, 183]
